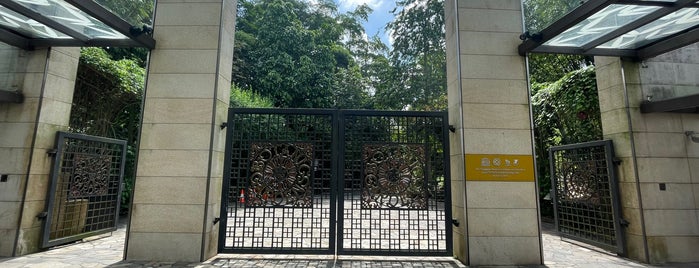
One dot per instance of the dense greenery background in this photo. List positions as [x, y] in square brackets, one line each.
[306, 54]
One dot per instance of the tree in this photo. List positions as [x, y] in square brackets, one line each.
[419, 54]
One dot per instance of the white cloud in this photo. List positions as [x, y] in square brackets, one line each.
[351, 4]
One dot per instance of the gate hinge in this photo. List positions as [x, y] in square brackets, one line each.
[223, 125]
[42, 215]
[452, 128]
[216, 220]
[52, 152]
[617, 161]
[624, 223]
[455, 222]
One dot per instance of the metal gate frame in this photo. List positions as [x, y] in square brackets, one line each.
[338, 168]
[100, 205]
[573, 230]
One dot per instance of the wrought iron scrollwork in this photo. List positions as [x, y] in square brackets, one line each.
[280, 175]
[90, 175]
[394, 176]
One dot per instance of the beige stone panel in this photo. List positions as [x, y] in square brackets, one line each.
[668, 222]
[28, 241]
[41, 163]
[63, 64]
[169, 218]
[694, 169]
[455, 121]
[170, 61]
[629, 194]
[13, 161]
[16, 135]
[178, 111]
[496, 116]
[59, 88]
[695, 188]
[673, 249]
[185, 86]
[690, 122]
[635, 248]
[489, 194]
[13, 189]
[172, 247]
[158, 190]
[608, 76]
[215, 189]
[30, 211]
[55, 112]
[615, 121]
[662, 122]
[178, 13]
[635, 95]
[217, 165]
[223, 89]
[633, 216]
[667, 170]
[7, 244]
[32, 85]
[498, 141]
[19, 112]
[622, 145]
[490, 4]
[505, 251]
[632, 71]
[37, 187]
[457, 192]
[492, 67]
[186, 37]
[176, 136]
[611, 99]
[495, 91]
[455, 144]
[9, 214]
[490, 20]
[502, 222]
[692, 148]
[675, 196]
[460, 248]
[488, 43]
[185, 163]
[660, 144]
[458, 214]
[46, 136]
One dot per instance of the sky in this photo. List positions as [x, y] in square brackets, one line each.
[377, 20]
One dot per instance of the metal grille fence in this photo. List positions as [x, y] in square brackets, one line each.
[85, 190]
[586, 199]
[331, 181]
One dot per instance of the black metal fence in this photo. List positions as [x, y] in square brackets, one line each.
[85, 188]
[331, 181]
[585, 194]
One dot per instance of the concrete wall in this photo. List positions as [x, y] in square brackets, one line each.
[46, 77]
[489, 107]
[664, 224]
[180, 163]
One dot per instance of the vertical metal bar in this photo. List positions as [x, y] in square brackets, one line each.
[616, 202]
[447, 184]
[336, 173]
[223, 223]
[339, 140]
[53, 180]
[554, 186]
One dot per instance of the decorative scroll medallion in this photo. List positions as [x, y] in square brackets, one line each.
[90, 175]
[394, 176]
[281, 175]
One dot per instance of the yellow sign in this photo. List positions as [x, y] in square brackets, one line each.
[499, 167]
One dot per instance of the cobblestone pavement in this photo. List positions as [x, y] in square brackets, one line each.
[106, 251]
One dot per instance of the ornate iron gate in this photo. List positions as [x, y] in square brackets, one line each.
[85, 188]
[332, 181]
[585, 194]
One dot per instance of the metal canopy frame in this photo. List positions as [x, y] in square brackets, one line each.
[134, 36]
[686, 104]
[535, 42]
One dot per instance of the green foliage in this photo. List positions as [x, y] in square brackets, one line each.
[242, 98]
[107, 103]
[565, 112]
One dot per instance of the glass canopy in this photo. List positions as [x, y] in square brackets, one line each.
[626, 28]
[38, 23]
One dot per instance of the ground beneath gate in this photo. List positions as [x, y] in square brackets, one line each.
[106, 251]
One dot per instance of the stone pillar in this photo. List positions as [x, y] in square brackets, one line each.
[655, 154]
[180, 163]
[492, 153]
[46, 78]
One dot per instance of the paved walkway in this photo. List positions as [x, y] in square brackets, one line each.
[106, 251]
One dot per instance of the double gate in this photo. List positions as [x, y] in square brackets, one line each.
[586, 195]
[335, 181]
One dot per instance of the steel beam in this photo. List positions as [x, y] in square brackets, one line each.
[11, 96]
[13, 39]
[685, 38]
[111, 20]
[686, 104]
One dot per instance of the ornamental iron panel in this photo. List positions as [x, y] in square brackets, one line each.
[585, 194]
[85, 188]
[335, 181]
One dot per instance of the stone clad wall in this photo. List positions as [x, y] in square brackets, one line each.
[655, 153]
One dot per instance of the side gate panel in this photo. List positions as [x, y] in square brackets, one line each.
[395, 192]
[279, 182]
